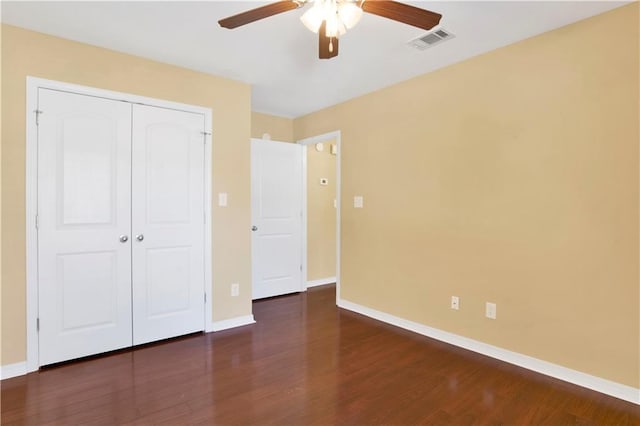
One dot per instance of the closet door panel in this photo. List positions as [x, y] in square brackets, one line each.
[84, 194]
[167, 223]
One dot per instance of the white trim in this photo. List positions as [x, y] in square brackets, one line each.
[337, 135]
[321, 281]
[31, 181]
[232, 323]
[598, 384]
[41, 83]
[13, 370]
[208, 213]
[31, 208]
[305, 237]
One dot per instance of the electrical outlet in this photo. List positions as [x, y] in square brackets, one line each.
[490, 310]
[455, 302]
[235, 289]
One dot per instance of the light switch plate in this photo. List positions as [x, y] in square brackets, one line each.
[222, 199]
[490, 310]
[358, 202]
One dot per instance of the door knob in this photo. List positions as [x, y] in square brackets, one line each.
[139, 237]
[124, 238]
[254, 228]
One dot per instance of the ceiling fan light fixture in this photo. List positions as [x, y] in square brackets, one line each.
[339, 15]
[350, 14]
[335, 27]
[312, 18]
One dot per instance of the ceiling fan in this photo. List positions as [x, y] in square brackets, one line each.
[331, 18]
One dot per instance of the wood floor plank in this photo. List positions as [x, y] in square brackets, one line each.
[305, 362]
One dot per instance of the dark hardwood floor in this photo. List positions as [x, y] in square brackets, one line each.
[304, 362]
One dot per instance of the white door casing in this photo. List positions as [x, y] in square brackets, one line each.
[276, 201]
[168, 223]
[84, 207]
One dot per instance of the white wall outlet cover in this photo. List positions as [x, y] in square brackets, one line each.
[222, 199]
[455, 302]
[319, 147]
[324, 181]
[358, 201]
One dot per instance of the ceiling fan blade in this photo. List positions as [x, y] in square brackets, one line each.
[327, 46]
[258, 13]
[401, 12]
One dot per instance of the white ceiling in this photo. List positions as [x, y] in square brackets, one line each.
[278, 55]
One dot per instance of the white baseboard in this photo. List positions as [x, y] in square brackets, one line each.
[12, 370]
[321, 281]
[232, 323]
[598, 384]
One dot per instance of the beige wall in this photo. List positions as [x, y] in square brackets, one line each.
[321, 215]
[511, 177]
[280, 128]
[28, 53]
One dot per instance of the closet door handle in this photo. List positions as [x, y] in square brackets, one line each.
[124, 238]
[139, 237]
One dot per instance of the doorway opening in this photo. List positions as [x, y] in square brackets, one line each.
[321, 210]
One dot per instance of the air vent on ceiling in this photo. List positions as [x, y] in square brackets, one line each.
[431, 39]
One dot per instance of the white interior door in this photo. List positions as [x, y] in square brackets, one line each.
[168, 223]
[84, 214]
[276, 205]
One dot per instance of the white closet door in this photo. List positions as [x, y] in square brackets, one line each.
[276, 206]
[167, 223]
[84, 269]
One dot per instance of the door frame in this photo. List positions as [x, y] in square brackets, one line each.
[31, 196]
[325, 137]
